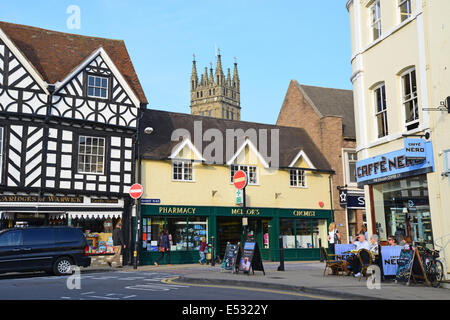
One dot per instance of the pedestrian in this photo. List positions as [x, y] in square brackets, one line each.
[164, 246]
[118, 244]
[203, 250]
[333, 236]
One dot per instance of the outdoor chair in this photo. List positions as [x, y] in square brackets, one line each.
[366, 260]
[335, 265]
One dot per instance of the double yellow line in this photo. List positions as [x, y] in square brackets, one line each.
[173, 279]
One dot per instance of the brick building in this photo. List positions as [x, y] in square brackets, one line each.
[327, 116]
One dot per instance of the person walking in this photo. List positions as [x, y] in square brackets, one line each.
[163, 246]
[118, 244]
[203, 250]
[333, 236]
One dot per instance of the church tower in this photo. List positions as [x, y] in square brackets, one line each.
[216, 95]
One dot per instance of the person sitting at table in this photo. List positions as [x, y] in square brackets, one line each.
[360, 242]
[391, 241]
[407, 243]
[374, 246]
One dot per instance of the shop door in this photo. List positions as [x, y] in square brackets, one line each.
[228, 230]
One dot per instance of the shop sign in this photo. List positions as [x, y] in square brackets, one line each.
[177, 210]
[111, 201]
[396, 165]
[356, 201]
[57, 199]
[248, 212]
[415, 149]
[304, 213]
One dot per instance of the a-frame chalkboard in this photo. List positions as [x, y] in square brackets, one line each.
[230, 257]
[250, 259]
[410, 265]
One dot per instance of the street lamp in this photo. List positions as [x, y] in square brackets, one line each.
[148, 130]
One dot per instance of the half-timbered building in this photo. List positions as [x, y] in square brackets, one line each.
[69, 109]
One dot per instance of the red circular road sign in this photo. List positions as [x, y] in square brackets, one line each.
[136, 191]
[240, 179]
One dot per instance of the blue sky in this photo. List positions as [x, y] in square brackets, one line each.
[274, 42]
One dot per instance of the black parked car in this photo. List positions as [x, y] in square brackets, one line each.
[51, 249]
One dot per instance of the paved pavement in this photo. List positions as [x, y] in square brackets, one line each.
[305, 277]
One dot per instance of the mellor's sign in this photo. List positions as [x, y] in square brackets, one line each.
[416, 158]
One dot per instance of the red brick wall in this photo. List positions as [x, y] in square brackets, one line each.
[326, 132]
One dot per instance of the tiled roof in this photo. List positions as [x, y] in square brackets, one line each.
[159, 144]
[333, 102]
[55, 54]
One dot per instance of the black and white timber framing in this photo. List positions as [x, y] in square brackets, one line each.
[40, 127]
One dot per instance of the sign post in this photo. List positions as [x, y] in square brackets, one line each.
[136, 191]
[240, 181]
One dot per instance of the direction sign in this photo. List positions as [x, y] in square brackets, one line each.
[136, 191]
[240, 179]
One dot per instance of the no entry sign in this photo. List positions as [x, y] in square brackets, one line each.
[240, 179]
[136, 191]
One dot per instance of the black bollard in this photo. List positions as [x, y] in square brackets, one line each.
[213, 256]
[281, 266]
[320, 251]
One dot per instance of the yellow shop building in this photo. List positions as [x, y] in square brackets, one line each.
[188, 163]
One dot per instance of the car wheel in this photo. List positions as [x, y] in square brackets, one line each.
[62, 266]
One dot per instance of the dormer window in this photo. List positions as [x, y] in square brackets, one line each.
[97, 87]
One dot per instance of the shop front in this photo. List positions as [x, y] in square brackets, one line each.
[302, 231]
[398, 189]
[97, 217]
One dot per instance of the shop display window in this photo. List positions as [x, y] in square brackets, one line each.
[304, 236]
[197, 229]
[184, 234]
[98, 233]
[402, 209]
[320, 231]
[287, 231]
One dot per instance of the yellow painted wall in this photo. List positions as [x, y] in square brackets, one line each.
[158, 184]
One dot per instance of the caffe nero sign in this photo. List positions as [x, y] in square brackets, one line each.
[415, 158]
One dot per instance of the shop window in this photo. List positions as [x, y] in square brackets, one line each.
[410, 105]
[447, 162]
[287, 232]
[297, 178]
[197, 229]
[182, 171]
[352, 225]
[320, 231]
[91, 155]
[151, 229]
[304, 236]
[402, 209]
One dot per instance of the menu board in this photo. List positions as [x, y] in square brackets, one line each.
[404, 265]
[251, 258]
[230, 257]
